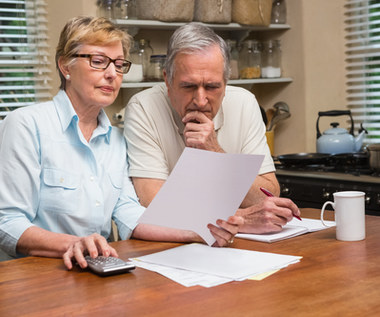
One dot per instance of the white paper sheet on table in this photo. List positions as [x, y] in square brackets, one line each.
[228, 263]
[183, 277]
[204, 186]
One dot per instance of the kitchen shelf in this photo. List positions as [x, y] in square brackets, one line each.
[242, 31]
[259, 81]
[153, 24]
[230, 82]
[238, 32]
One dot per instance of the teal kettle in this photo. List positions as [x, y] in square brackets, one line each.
[338, 140]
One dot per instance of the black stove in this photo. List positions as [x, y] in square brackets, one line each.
[312, 185]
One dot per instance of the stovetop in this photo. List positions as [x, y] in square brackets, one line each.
[312, 185]
[359, 174]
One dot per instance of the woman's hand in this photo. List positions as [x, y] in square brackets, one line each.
[92, 245]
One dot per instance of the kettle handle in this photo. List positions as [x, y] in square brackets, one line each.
[334, 113]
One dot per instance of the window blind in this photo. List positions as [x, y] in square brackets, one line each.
[363, 65]
[24, 66]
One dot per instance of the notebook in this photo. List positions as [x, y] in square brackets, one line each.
[292, 229]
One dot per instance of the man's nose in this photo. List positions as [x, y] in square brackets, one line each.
[200, 97]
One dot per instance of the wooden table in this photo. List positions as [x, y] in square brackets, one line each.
[334, 278]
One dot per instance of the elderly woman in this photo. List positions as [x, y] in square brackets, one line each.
[63, 169]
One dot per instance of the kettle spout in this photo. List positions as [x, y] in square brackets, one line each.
[360, 138]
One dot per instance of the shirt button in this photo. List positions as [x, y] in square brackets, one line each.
[92, 178]
[97, 203]
[61, 180]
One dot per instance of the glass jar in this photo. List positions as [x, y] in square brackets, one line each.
[250, 60]
[156, 67]
[128, 9]
[271, 59]
[135, 73]
[234, 60]
[105, 8]
[117, 9]
[278, 12]
[146, 51]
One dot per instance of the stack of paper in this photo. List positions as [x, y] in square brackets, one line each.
[291, 229]
[198, 264]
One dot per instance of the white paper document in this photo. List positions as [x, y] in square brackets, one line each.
[198, 264]
[204, 186]
[292, 229]
[184, 277]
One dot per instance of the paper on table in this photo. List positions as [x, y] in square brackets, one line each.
[292, 229]
[311, 224]
[204, 186]
[185, 277]
[229, 263]
[260, 277]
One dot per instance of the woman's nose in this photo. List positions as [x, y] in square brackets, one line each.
[110, 71]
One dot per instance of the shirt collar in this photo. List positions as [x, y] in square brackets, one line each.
[67, 115]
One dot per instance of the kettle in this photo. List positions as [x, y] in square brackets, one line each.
[337, 140]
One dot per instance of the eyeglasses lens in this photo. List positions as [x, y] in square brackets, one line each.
[102, 62]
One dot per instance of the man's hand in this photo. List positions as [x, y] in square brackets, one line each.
[225, 233]
[93, 245]
[270, 215]
[199, 132]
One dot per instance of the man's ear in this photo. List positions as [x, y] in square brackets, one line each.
[165, 78]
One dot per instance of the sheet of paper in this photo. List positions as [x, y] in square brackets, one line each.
[228, 263]
[311, 224]
[286, 233]
[292, 229]
[204, 186]
[260, 277]
[183, 277]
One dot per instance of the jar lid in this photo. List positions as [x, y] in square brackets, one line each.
[273, 43]
[157, 57]
[251, 44]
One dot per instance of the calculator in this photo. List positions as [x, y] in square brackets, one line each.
[105, 266]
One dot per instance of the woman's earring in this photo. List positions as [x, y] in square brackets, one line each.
[67, 76]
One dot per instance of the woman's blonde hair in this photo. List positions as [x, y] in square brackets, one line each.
[91, 31]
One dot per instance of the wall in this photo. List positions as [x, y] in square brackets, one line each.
[323, 50]
[59, 13]
[313, 55]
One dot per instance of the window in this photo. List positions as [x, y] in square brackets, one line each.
[24, 71]
[363, 65]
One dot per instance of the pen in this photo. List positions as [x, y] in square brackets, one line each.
[269, 194]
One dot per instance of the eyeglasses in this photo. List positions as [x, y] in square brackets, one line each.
[122, 66]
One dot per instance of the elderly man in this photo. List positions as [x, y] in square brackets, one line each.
[196, 108]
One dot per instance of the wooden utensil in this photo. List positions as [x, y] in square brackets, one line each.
[270, 113]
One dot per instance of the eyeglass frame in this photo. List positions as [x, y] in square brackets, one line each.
[110, 60]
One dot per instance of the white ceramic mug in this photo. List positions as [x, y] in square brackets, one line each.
[349, 210]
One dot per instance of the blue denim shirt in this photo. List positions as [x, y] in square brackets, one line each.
[51, 177]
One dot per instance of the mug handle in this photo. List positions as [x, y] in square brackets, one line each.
[323, 210]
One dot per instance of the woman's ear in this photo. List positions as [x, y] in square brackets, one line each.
[64, 69]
